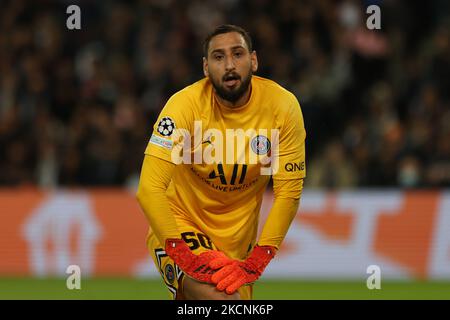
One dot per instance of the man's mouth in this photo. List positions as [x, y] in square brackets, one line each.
[231, 80]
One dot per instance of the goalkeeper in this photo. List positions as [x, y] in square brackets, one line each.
[204, 214]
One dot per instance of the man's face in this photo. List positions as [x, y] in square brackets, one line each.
[230, 65]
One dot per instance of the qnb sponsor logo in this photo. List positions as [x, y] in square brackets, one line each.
[294, 166]
[238, 146]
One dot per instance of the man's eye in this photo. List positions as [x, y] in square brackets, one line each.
[238, 54]
[218, 57]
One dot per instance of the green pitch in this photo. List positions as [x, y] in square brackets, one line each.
[119, 288]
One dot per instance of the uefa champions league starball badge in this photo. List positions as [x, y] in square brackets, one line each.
[166, 126]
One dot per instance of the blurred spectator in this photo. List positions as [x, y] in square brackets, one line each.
[77, 107]
[409, 175]
[332, 169]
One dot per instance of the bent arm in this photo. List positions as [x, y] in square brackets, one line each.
[287, 198]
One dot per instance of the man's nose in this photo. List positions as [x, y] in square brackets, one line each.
[229, 63]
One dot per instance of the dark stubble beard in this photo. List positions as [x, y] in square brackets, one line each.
[235, 94]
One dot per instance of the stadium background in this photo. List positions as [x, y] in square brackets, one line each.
[77, 107]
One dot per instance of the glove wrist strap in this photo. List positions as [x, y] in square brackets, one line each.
[260, 257]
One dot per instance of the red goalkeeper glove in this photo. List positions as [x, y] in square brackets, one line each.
[195, 266]
[233, 276]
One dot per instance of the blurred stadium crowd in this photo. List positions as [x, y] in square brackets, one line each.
[77, 107]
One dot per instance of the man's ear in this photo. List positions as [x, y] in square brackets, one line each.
[205, 67]
[254, 61]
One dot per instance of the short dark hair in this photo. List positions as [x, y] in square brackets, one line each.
[226, 28]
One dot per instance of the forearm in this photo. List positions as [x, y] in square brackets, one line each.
[233, 276]
[287, 197]
[156, 175]
[155, 178]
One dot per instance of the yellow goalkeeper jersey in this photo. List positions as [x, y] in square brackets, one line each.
[225, 157]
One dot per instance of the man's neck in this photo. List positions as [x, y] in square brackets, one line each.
[239, 103]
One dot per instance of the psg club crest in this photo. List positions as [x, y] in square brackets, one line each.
[260, 145]
[170, 273]
[166, 126]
